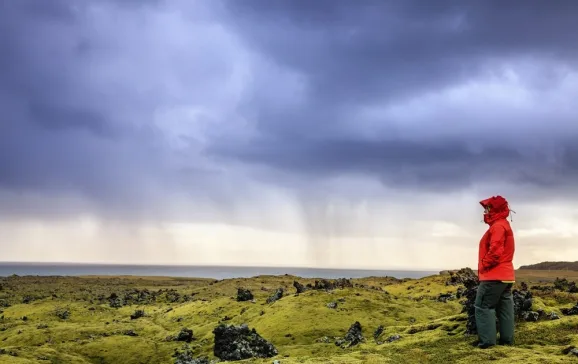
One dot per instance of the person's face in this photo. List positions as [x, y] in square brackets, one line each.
[487, 210]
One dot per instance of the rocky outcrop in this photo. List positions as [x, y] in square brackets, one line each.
[328, 285]
[523, 304]
[353, 336]
[570, 311]
[299, 287]
[240, 342]
[562, 284]
[470, 282]
[377, 333]
[244, 295]
[444, 297]
[137, 314]
[185, 335]
[62, 313]
[464, 276]
[276, 296]
[324, 285]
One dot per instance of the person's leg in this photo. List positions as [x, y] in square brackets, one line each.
[506, 316]
[487, 299]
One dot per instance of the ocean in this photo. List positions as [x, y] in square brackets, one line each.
[216, 272]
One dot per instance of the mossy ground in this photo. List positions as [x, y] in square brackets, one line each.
[431, 331]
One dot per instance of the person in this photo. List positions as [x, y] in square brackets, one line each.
[496, 275]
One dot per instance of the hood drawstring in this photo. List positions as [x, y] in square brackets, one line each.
[512, 219]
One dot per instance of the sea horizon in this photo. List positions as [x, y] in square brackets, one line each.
[196, 270]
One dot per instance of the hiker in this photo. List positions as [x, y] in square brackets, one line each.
[496, 275]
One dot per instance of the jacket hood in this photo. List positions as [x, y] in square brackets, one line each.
[499, 209]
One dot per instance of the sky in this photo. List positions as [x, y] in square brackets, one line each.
[336, 134]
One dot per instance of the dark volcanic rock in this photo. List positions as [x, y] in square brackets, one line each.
[130, 333]
[553, 316]
[561, 284]
[353, 336]
[114, 301]
[444, 297]
[377, 333]
[570, 311]
[332, 305]
[464, 276]
[523, 304]
[185, 335]
[470, 281]
[276, 296]
[570, 350]
[244, 295]
[62, 313]
[240, 342]
[299, 287]
[137, 314]
[393, 338]
[328, 285]
[530, 316]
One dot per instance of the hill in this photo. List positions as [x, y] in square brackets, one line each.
[573, 266]
[81, 320]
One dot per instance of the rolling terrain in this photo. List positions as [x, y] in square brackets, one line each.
[81, 320]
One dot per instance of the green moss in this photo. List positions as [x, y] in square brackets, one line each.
[302, 327]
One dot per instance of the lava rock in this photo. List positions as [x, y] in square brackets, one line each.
[444, 297]
[114, 301]
[553, 316]
[324, 339]
[570, 311]
[329, 285]
[299, 287]
[185, 335]
[393, 338]
[276, 296]
[530, 316]
[561, 284]
[240, 342]
[353, 336]
[570, 350]
[523, 304]
[137, 314]
[377, 333]
[465, 276]
[62, 313]
[130, 333]
[244, 295]
[332, 305]
[470, 283]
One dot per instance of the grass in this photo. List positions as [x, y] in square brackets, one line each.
[431, 331]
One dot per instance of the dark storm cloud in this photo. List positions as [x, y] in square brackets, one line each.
[86, 87]
[60, 132]
[356, 54]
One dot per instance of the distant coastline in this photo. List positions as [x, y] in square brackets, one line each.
[196, 271]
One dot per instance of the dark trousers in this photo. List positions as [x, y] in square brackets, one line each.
[494, 299]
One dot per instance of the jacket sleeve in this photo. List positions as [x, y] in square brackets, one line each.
[496, 249]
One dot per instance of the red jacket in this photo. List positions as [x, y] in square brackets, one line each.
[496, 251]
